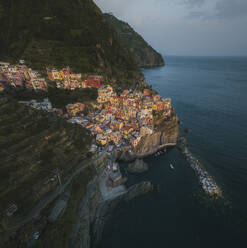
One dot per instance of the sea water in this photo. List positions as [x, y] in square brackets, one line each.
[210, 97]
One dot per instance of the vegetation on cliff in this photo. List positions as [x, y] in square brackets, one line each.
[58, 97]
[34, 145]
[60, 33]
[143, 54]
[60, 233]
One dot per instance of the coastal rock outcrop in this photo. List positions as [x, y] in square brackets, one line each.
[207, 182]
[95, 212]
[138, 166]
[165, 135]
[138, 190]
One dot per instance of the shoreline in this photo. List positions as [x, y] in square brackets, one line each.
[131, 156]
[98, 208]
[152, 66]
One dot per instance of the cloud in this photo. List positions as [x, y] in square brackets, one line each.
[214, 9]
[192, 3]
[195, 27]
[222, 9]
[195, 15]
[231, 9]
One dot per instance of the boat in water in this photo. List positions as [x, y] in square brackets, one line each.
[171, 166]
[157, 154]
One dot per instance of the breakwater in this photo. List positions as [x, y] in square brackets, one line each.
[206, 181]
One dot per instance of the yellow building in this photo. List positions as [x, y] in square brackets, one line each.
[61, 75]
[103, 141]
[155, 107]
[75, 76]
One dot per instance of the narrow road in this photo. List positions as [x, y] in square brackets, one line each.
[52, 196]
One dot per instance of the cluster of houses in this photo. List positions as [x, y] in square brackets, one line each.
[122, 119]
[20, 76]
[45, 105]
[116, 119]
[66, 80]
[75, 109]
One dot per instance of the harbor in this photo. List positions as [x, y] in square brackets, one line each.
[178, 209]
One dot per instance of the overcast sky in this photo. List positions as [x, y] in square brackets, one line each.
[186, 27]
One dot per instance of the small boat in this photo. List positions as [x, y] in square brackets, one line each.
[171, 166]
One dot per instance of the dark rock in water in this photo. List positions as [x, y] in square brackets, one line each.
[138, 190]
[138, 166]
[182, 142]
[186, 130]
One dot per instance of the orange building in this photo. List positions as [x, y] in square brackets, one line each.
[147, 92]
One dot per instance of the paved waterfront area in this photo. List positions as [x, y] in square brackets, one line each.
[107, 191]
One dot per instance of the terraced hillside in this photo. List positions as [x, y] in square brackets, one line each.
[60, 33]
[35, 147]
[58, 97]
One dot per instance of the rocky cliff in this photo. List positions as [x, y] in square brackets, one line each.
[82, 222]
[165, 134]
[95, 213]
[144, 55]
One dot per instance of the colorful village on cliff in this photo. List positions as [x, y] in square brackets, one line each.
[116, 119]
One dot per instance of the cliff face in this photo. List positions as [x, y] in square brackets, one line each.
[82, 223]
[165, 135]
[143, 54]
[96, 212]
[61, 33]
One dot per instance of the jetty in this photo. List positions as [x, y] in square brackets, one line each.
[206, 181]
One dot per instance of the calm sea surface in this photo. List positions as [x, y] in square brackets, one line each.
[210, 98]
